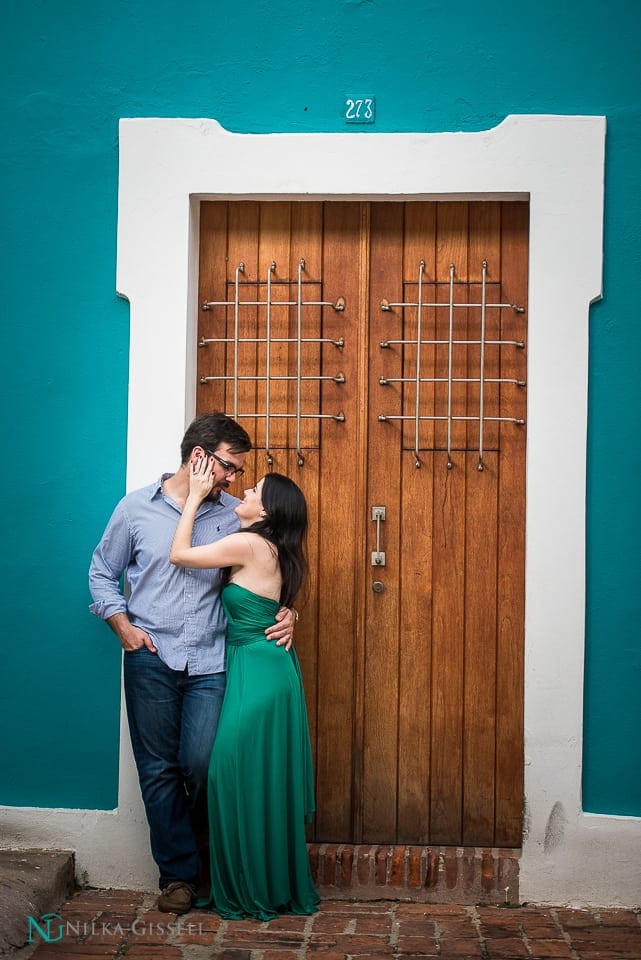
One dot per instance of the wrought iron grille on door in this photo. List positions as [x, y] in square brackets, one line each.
[307, 365]
[443, 356]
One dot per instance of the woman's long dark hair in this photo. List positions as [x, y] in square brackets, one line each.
[285, 526]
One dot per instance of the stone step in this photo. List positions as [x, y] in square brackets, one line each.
[32, 883]
[461, 875]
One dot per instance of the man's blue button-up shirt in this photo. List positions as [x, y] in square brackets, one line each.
[178, 607]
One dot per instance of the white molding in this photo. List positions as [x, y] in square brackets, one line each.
[166, 166]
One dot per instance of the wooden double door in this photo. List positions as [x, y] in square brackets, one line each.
[376, 353]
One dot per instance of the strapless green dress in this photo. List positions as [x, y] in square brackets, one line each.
[260, 789]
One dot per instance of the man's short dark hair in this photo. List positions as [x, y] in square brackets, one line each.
[209, 430]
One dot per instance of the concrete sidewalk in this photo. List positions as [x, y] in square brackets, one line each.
[122, 923]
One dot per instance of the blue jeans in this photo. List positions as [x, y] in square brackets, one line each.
[172, 722]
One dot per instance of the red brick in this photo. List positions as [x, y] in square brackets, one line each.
[405, 910]
[379, 926]
[381, 866]
[451, 869]
[354, 909]
[239, 940]
[329, 924]
[450, 910]
[506, 947]
[487, 870]
[422, 944]
[509, 878]
[324, 953]
[456, 928]
[364, 864]
[351, 944]
[289, 923]
[468, 871]
[329, 866]
[461, 950]
[280, 955]
[397, 872]
[542, 949]
[414, 867]
[431, 878]
[539, 926]
[619, 918]
[426, 956]
[79, 951]
[347, 862]
[151, 953]
[417, 927]
[312, 851]
[204, 938]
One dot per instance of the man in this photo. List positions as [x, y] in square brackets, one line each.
[171, 626]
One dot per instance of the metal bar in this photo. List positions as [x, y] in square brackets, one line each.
[339, 378]
[338, 305]
[482, 366]
[338, 417]
[417, 404]
[336, 343]
[268, 331]
[299, 357]
[449, 369]
[385, 344]
[384, 381]
[281, 283]
[384, 418]
[239, 269]
[499, 306]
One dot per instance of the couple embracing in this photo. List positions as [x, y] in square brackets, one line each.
[214, 693]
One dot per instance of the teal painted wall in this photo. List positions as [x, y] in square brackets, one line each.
[70, 70]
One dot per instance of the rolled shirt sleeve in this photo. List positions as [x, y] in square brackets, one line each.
[109, 561]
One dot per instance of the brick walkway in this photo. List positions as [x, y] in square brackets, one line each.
[123, 924]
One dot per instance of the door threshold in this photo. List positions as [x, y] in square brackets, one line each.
[426, 874]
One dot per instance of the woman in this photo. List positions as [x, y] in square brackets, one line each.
[260, 788]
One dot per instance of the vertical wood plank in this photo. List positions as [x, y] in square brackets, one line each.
[481, 533]
[338, 667]
[451, 248]
[415, 626]
[306, 240]
[211, 286]
[484, 244]
[447, 649]
[273, 247]
[244, 225]
[511, 533]
[380, 747]
[449, 543]
[479, 700]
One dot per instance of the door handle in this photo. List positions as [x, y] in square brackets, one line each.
[378, 555]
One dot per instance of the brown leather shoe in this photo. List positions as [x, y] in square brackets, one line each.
[177, 897]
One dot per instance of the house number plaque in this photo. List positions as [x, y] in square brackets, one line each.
[360, 110]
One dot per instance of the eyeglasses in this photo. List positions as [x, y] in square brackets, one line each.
[230, 468]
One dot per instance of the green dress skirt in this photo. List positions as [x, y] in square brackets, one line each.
[260, 789]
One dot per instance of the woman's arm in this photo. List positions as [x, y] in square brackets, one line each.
[230, 551]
